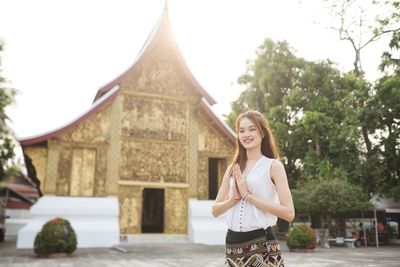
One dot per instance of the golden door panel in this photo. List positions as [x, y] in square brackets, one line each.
[83, 172]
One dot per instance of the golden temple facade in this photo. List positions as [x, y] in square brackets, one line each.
[150, 138]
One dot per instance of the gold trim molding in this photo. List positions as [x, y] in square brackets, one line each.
[153, 185]
[164, 97]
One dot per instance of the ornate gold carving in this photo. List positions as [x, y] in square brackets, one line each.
[101, 172]
[114, 148]
[176, 211]
[152, 184]
[193, 149]
[157, 75]
[155, 96]
[83, 172]
[94, 129]
[52, 175]
[211, 141]
[154, 119]
[202, 182]
[130, 204]
[148, 161]
[150, 136]
[64, 171]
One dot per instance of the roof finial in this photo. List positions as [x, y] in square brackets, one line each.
[166, 5]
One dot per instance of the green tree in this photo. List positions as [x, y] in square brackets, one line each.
[387, 108]
[387, 111]
[360, 23]
[330, 197]
[6, 141]
[304, 103]
[315, 112]
[268, 79]
[389, 59]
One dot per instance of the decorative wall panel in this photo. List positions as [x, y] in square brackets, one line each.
[93, 130]
[157, 76]
[53, 152]
[64, 171]
[154, 119]
[193, 151]
[176, 211]
[83, 172]
[202, 182]
[211, 141]
[153, 161]
[130, 205]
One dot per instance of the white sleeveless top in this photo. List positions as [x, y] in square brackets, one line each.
[244, 216]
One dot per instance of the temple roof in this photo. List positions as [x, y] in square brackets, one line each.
[162, 27]
[107, 93]
[100, 103]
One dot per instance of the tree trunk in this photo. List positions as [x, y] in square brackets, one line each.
[357, 64]
[366, 139]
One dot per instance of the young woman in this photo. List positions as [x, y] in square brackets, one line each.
[255, 191]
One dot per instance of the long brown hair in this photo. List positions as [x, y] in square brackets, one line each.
[268, 145]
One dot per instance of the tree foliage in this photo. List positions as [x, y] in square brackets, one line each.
[361, 22]
[389, 58]
[387, 148]
[330, 196]
[338, 133]
[6, 143]
[304, 103]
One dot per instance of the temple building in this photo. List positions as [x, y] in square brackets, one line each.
[150, 138]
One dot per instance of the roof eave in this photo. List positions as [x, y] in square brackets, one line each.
[222, 126]
[102, 102]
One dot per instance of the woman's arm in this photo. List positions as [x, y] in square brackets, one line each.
[223, 202]
[285, 209]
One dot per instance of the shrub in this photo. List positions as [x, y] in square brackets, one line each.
[302, 237]
[56, 236]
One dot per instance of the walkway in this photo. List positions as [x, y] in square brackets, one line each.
[193, 255]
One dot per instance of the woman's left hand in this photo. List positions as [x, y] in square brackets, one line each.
[240, 181]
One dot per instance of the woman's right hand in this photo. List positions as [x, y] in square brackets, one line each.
[236, 194]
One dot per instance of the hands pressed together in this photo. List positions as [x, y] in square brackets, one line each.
[241, 190]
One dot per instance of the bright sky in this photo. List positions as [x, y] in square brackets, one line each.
[59, 53]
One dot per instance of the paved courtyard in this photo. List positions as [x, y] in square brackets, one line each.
[193, 255]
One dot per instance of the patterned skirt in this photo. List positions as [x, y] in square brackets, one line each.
[255, 248]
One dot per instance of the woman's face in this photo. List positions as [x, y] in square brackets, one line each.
[249, 135]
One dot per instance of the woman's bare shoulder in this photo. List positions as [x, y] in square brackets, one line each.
[276, 166]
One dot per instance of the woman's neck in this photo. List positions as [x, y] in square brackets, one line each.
[253, 154]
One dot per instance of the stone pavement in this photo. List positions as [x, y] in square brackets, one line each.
[193, 255]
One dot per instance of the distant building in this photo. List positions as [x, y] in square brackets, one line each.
[149, 138]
